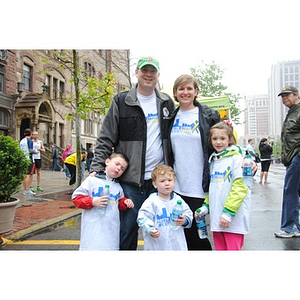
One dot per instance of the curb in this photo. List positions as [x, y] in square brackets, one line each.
[26, 233]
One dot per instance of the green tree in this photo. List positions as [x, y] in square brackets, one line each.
[90, 94]
[209, 77]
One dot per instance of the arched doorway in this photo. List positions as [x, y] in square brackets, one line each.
[25, 123]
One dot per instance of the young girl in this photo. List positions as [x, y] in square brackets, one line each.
[228, 201]
[100, 222]
[154, 214]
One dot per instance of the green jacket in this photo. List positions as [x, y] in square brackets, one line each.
[290, 135]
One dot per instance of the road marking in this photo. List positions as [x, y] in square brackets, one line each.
[44, 242]
[52, 242]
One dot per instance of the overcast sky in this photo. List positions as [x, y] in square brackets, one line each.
[244, 38]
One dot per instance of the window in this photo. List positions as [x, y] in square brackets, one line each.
[2, 77]
[27, 77]
[3, 118]
[61, 89]
[60, 135]
[54, 88]
[89, 70]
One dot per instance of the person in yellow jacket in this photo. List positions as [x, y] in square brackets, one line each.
[70, 163]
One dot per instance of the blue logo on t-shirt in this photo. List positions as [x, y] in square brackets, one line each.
[185, 127]
[163, 219]
[222, 176]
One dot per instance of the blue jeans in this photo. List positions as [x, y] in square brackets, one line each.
[291, 194]
[55, 164]
[129, 227]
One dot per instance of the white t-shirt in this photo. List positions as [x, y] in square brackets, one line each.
[37, 145]
[98, 231]
[223, 173]
[188, 154]
[156, 213]
[154, 152]
[24, 147]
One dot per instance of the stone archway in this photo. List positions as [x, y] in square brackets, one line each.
[35, 112]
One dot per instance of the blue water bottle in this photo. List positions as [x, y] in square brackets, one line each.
[201, 225]
[247, 171]
[176, 213]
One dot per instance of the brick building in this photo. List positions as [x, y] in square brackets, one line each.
[33, 87]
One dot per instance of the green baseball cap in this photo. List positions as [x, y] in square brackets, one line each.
[288, 90]
[148, 60]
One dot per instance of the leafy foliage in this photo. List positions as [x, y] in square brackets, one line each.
[13, 165]
[96, 96]
[209, 78]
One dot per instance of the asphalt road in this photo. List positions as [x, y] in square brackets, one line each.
[265, 220]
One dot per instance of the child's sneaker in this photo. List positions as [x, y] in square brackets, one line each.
[32, 189]
[39, 189]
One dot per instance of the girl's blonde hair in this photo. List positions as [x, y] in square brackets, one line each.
[162, 170]
[229, 130]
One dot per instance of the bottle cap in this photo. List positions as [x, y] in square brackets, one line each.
[248, 156]
[179, 202]
[107, 186]
[198, 210]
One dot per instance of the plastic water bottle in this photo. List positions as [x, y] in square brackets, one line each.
[201, 225]
[105, 192]
[247, 171]
[176, 213]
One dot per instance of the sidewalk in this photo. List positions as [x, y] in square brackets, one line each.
[52, 206]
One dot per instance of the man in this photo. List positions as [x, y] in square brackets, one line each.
[37, 158]
[55, 159]
[26, 144]
[136, 124]
[250, 150]
[290, 155]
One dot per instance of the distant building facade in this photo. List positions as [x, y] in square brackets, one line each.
[33, 87]
[256, 118]
[282, 74]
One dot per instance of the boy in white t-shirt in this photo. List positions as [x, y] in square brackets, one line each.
[154, 214]
[100, 221]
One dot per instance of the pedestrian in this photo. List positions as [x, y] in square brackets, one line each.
[70, 163]
[265, 149]
[228, 201]
[26, 144]
[190, 127]
[67, 151]
[290, 155]
[136, 124]
[99, 230]
[154, 214]
[250, 150]
[37, 144]
[55, 159]
[89, 158]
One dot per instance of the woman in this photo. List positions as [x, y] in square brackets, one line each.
[265, 150]
[68, 150]
[190, 127]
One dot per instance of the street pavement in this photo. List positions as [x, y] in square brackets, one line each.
[54, 206]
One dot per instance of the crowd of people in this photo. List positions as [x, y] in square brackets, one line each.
[152, 154]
